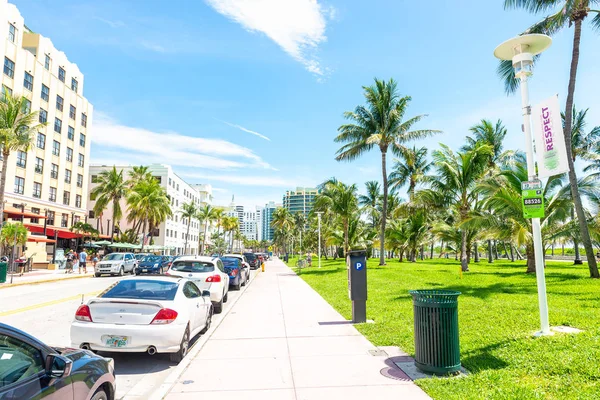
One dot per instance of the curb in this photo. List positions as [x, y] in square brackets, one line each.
[9, 285]
[165, 388]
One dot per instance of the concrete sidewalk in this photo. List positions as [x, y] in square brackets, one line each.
[43, 276]
[282, 341]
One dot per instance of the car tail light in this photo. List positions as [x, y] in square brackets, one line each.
[164, 316]
[214, 278]
[234, 272]
[83, 314]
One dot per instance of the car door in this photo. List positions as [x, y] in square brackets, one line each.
[129, 262]
[194, 304]
[23, 374]
[224, 275]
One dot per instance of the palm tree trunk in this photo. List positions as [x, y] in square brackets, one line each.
[384, 213]
[576, 243]
[442, 249]
[143, 237]
[530, 258]
[583, 227]
[346, 240]
[476, 252]
[5, 155]
[464, 263]
[505, 250]
[204, 238]
[112, 231]
[187, 235]
[512, 254]
[431, 250]
[495, 249]
[490, 258]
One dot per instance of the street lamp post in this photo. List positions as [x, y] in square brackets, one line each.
[520, 50]
[319, 213]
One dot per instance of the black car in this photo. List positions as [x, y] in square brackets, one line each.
[252, 260]
[29, 369]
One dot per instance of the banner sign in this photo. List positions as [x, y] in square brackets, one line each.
[549, 139]
[532, 194]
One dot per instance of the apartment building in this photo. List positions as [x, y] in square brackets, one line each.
[172, 232]
[266, 219]
[300, 200]
[51, 179]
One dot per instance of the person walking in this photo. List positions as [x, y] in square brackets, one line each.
[70, 258]
[309, 259]
[83, 261]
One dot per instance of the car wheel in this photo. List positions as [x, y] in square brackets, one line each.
[183, 347]
[99, 395]
[97, 275]
[244, 281]
[218, 308]
[208, 321]
[122, 271]
[226, 297]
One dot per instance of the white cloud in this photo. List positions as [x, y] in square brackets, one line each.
[136, 144]
[153, 47]
[247, 180]
[246, 130]
[111, 23]
[297, 26]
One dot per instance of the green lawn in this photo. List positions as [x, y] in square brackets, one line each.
[498, 313]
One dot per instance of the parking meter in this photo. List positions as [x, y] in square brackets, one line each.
[356, 262]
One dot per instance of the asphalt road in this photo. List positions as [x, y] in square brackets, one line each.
[46, 311]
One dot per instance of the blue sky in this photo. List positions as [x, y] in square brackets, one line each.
[249, 98]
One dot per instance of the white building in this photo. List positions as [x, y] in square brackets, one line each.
[51, 179]
[171, 233]
[266, 219]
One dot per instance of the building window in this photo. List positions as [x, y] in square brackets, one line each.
[82, 140]
[54, 171]
[57, 125]
[28, 81]
[35, 220]
[37, 190]
[59, 103]
[71, 133]
[45, 93]
[43, 116]
[50, 218]
[72, 112]
[78, 200]
[83, 120]
[79, 180]
[52, 196]
[21, 159]
[66, 198]
[61, 74]
[56, 148]
[67, 176]
[74, 85]
[64, 220]
[69, 154]
[26, 106]
[9, 68]
[47, 62]
[19, 185]
[12, 32]
[81, 160]
[39, 165]
[5, 91]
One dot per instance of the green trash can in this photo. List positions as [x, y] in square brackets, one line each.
[437, 347]
[3, 266]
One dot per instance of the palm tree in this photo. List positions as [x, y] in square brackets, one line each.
[380, 123]
[485, 132]
[207, 214]
[299, 224]
[563, 14]
[230, 224]
[188, 211]
[18, 124]
[371, 200]
[111, 188]
[137, 174]
[283, 223]
[411, 168]
[219, 215]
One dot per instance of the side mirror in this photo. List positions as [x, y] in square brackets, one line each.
[205, 293]
[58, 366]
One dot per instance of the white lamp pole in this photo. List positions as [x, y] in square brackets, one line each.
[520, 50]
[319, 217]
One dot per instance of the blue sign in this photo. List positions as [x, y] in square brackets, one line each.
[358, 266]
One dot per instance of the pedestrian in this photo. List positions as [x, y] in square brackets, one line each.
[309, 259]
[83, 261]
[70, 260]
[95, 259]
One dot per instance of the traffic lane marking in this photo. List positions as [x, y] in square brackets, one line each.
[46, 304]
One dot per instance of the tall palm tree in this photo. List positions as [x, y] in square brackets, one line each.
[208, 215]
[219, 215]
[111, 188]
[371, 200]
[283, 223]
[411, 168]
[230, 224]
[563, 14]
[137, 174]
[485, 132]
[188, 211]
[18, 124]
[299, 224]
[380, 123]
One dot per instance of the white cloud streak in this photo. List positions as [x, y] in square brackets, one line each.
[297, 26]
[247, 180]
[112, 24]
[245, 130]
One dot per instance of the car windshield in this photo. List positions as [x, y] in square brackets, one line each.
[230, 262]
[143, 289]
[140, 256]
[152, 259]
[113, 257]
[250, 256]
[193, 266]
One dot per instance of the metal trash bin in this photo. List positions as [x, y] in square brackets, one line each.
[437, 348]
[3, 267]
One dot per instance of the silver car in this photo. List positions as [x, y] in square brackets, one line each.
[116, 264]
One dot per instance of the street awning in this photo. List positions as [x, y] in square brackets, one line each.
[62, 233]
[39, 239]
[12, 212]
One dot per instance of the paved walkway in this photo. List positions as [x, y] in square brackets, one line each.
[42, 276]
[282, 341]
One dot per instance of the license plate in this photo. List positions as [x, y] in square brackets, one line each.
[116, 341]
[144, 270]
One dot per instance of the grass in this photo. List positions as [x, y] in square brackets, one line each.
[498, 313]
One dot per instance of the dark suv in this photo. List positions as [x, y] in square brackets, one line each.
[29, 369]
[252, 260]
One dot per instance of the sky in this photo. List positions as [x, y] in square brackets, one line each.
[247, 95]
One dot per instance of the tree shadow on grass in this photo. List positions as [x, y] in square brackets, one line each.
[480, 292]
[482, 359]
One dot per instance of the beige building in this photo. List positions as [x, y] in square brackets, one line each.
[51, 179]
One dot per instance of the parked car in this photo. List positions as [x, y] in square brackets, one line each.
[245, 267]
[116, 264]
[144, 314]
[233, 268]
[29, 369]
[153, 265]
[140, 256]
[252, 260]
[208, 273]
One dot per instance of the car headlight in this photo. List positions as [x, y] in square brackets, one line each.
[155, 265]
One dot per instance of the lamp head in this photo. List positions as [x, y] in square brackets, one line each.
[520, 50]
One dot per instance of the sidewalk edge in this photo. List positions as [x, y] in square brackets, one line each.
[9, 285]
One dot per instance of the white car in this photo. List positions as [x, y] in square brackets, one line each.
[245, 266]
[116, 264]
[208, 273]
[144, 314]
